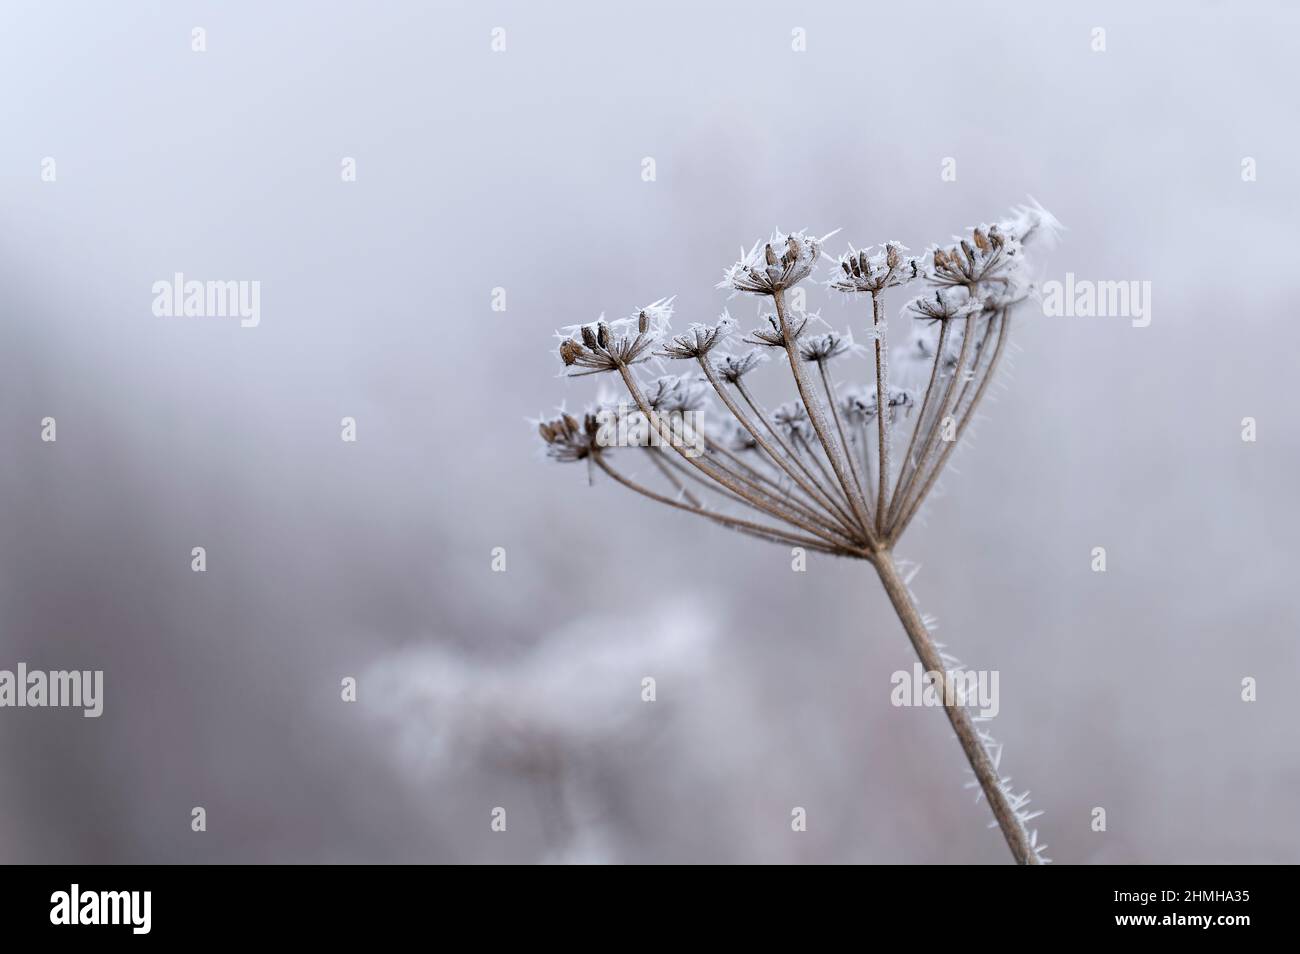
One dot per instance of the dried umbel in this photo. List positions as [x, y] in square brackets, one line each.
[835, 471]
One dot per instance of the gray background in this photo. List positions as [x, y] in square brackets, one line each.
[521, 689]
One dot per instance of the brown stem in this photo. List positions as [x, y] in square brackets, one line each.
[711, 469]
[882, 411]
[932, 432]
[813, 406]
[908, 467]
[811, 488]
[839, 428]
[761, 484]
[774, 534]
[664, 469]
[1005, 322]
[976, 754]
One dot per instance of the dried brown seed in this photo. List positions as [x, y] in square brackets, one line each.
[570, 351]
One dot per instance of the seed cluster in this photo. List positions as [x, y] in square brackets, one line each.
[822, 471]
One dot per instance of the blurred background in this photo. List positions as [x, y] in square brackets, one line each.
[521, 169]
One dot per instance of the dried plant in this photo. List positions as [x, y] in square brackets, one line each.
[841, 472]
[549, 715]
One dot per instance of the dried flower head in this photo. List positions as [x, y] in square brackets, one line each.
[945, 305]
[608, 345]
[792, 418]
[775, 265]
[818, 348]
[858, 405]
[673, 394]
[863, 272]
[733, 367]
[734, 437]
[981, 259]
[901, 397]
[773, 337]
[568, 439]
[830, 472]
[699, 339]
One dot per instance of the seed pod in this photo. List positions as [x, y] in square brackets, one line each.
[970, 252]
[768, 255]
[892, 258]
[643, 323]
[589, 337]
[981, 242]
[791, 251]
[570, 351]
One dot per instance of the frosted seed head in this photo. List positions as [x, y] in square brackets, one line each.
[567, 439]
[792, 418]
[699, 340]
[762, 272]
[819, 348]
[734, 367]
[772, 337]
[945, 304]
[858, 405]
[865, 272]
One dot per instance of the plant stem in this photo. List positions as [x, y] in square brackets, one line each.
[980, 762]
[818, 419]
[904, 518]
[882, 411]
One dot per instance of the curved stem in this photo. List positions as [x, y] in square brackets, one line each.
[882, 411]
[901, 524]
[814, 409]
[774, 534]
[760, 483]
[826, 494]
[839, 428]
[932, 433]
[710, 469]
[823, 499]
[908, 467]
[664, 469]
[976, 754]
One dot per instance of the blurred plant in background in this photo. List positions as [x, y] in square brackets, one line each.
[549, 715]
